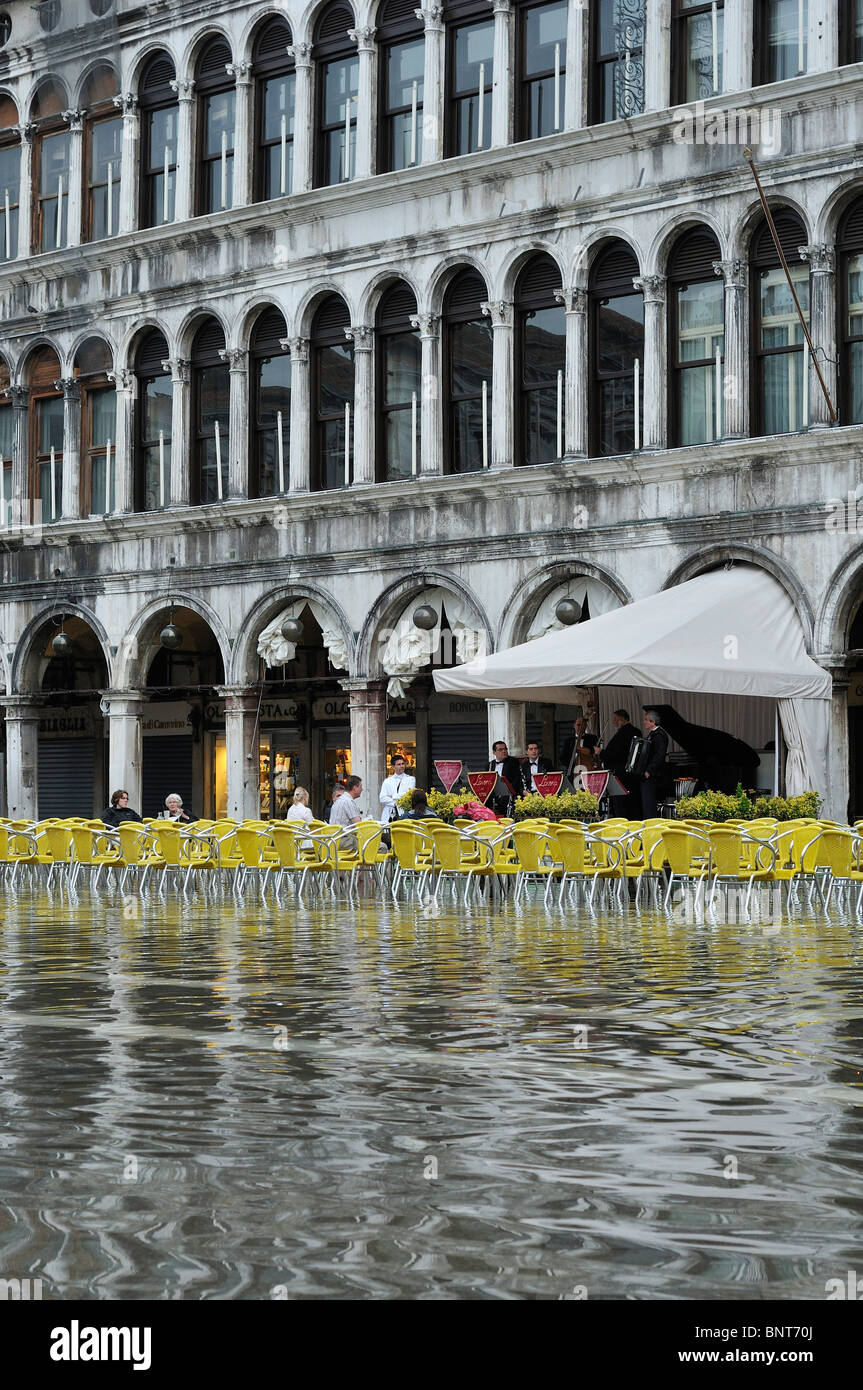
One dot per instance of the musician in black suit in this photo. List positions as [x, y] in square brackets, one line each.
[654, 768]
[510, 770]
[534, 764]
[614, 757]
[578, 745]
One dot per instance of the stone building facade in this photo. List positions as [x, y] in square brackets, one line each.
[330, 311]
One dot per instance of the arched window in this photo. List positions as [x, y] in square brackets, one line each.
[468, 349]
[10, 178]
[469, 77]
[617, 352]
[338, 66]
[275, 93]
[541, 361]
[160, 114]
[850, 247]
[104, 143]
[211, 388]
[46, 436]
[851, 31]
[780, 47]
[696, 304]
[617, 28]
[153, 415]
[51, 168]
[98, 428]
[542, 68]
[216, 126]
[697, 49]
[401, 43]
[333, 362]
[271, 413]
[7, 438]
[780, 397]
[399, 385]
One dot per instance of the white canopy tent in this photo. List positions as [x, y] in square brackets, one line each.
[730, 632]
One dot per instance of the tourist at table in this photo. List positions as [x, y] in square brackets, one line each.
[300, 809]
[346, 812]
[119, 810]
[420, 809]
[174, 810]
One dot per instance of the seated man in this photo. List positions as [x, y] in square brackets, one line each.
[346, 812]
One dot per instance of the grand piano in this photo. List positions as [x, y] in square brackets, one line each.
[718, 760]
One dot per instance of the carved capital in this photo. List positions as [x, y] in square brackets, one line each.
[431, 16]
[363, 38]
[75, 118]
[70, 387]
[574, 300]
[501, 6]
[428, 324]
[821, 258]
[180, 369]
[236, 358]
[301, 54]
[242, 72]
[126, 102]
[19, 396]
[185, 90]
[123, 378]
[499, 311]
[27, 130]
[651, 286]
[363, 336]
[297, 347]
[735, 273]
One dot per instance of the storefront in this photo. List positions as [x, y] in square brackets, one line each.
[171, 757]
[72, 761]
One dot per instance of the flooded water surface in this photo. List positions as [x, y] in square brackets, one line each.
[236, 1101]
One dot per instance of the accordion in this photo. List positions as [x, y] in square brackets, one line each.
[638, 755]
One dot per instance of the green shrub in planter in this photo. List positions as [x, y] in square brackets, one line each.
[788, 807]
[442, 803]
[720, 806]
[568, 806]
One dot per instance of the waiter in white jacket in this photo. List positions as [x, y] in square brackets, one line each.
[395, 786]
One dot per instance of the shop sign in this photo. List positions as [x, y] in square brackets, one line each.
[171, 717]
[80, 720]
[456, 709]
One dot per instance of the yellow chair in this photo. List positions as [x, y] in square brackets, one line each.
[93, 848]
[456, 857]
[572, 843]
[737, 858]
[687, 853]
[413, 848]
[138, 854]
[536, 857]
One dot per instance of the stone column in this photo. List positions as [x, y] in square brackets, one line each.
[654, 432]
[737, 46]
[238, 421]
[241, 750]
[575, 436]
[304, 116]
[25, 195]
[363, 426]
[125, 743]
[657, 55]
[421, 690]
[823, 38]
[301, 428]
[22, 755]
[506, 720]
[123, 491]
[368, 738]
[735, 414]
[21, 512]
[822, 330]
[431, 427]
[502, 90]
[243, 135]
[501, 405]
[127, 216]
[70, 505]
[186, 163]
[180, 369]
[577, 66]
[367, 105]
[76, 176]
[433, 82]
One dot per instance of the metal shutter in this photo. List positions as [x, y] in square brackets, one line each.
[469, 742]
[167, 768]
[66, 775]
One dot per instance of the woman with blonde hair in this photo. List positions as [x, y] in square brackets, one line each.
[300, 809]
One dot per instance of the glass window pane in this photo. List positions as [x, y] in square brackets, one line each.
[474, 45]
[471, 435]
[405, 67]
[543, 345]
[617, 415]
[855, 385]
[700, 321]
[274, 389]
[470, 356]
[782, 379]
[279, 104]
[699, 422]
[158, 405]
[545, 30]
[103, 416]
[6, 431]
[621, 332]
[703, 42]
[51, 489]
[402, 443]
[157, 476]
[163, 136]
[855, 295]
[402, 367]
[10, 173]
[780, 326]
[335, 379]
[213, 397]
[341, 80]
[54, 164]
[105, 145]
[541, 412]
[787, 24]
[219, 122]
[49, 430]
[333, 472]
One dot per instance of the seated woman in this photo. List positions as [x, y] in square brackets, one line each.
[420, 808]
[300, 810]
[119, 810]
[174, 810]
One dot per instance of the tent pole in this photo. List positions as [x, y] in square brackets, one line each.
[776, 749]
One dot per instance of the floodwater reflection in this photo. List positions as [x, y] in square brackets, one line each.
[231, 1101]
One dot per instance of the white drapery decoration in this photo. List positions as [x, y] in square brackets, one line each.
[805, 728]
[407, 648]
[276, 650]
[599, 598]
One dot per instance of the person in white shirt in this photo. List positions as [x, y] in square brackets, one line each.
[395, 786]
[300, 810]
[346, 812]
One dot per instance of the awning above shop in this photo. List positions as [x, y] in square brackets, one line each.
[730, 632]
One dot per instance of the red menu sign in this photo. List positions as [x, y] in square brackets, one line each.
[482, 784]
[448, 771]
[548, 783]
